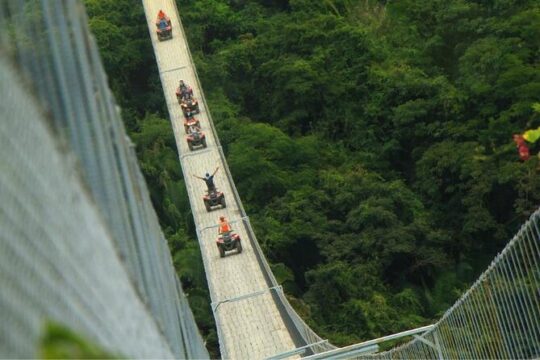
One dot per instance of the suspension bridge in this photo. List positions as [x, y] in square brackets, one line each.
[80, 243]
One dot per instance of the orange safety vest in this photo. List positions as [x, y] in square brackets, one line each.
[224, 227]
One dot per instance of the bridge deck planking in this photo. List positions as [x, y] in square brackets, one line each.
[250, 328]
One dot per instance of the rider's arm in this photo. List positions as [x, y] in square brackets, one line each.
[215, 171]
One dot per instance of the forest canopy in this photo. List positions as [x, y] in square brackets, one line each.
[371, 142]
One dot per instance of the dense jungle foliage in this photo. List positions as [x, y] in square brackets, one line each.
[371, 142]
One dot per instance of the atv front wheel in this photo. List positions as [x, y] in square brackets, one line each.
[186, 128]
[190, 145]
[204, 142]
[223, 203]
[221, 252]
[239, 247]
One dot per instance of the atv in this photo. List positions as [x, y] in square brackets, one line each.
[228, 241]
[164, 28]
[195, 138]
[189, 105]
[214, 198]
[190, 121]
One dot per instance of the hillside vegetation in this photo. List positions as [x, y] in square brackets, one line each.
[371, 142]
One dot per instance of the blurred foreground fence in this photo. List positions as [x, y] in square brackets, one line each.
[80, 243]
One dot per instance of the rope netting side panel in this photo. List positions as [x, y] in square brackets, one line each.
[58, 60]
[57, 259]
[497, 318]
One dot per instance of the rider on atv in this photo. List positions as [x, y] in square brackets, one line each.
[194, 129]
[182, 86]
[227, 239]
[161, 16]
[209, 180]
[187, 95]
[223, 226]
[163, 24]
[184, 91]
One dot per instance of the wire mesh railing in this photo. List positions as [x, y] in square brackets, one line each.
[58, 60]
[497, 318]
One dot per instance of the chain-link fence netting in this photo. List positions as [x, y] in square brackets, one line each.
[498, 317]
[80, 243]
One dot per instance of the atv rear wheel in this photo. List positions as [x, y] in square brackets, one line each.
[203, 142]
[223, 203]
[190, 145]
[186, 128]
[207, 206]
[239, 247]
[221, 252]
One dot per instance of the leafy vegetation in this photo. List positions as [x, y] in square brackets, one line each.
[371, 142]
[60, 342]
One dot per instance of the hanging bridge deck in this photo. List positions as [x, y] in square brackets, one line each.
[251, 327]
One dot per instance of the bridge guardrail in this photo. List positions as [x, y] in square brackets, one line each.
[53, 48]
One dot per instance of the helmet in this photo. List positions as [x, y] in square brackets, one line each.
[222, 218]
[207, 175]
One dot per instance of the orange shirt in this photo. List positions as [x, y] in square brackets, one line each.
[224, 227]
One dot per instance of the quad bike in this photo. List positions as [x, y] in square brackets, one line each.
[164, 28]
[228, 241]
[196, 138]
[190, 121]
[214, 198]
[189, 104]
